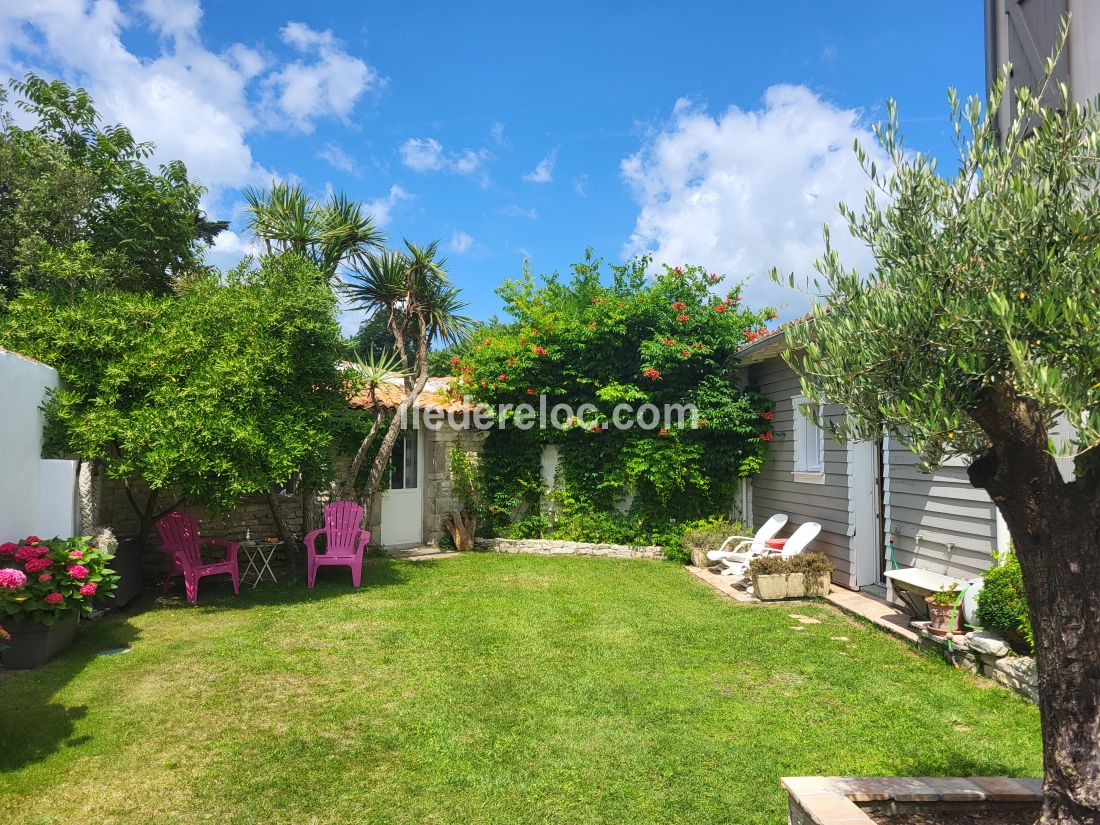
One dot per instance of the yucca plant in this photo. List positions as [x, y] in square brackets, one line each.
[410, 289]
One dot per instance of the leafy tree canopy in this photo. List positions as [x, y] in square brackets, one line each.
[634, 339]
[70, 185]
[217, 393]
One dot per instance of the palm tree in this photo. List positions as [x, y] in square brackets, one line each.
[332, 234]
[376, 370]
[410, 288]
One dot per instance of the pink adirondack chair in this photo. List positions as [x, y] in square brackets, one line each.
[344, 541]
[179, 536]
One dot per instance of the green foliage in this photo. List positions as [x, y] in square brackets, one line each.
[812, 565]
[61, 574]
[707, 534]
[510, 479]
[530, 526]
[623, 338]
[375, 337]
[464, 476]
[220, 392]
[332, 234]
[78, 202]
[945, 597]
[985, 283]
[1002, 603]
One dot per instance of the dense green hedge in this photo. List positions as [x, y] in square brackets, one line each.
[595, 341]
[1002, 603]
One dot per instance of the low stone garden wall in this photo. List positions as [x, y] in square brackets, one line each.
[850, 800]
[551, 547]
[986, 653]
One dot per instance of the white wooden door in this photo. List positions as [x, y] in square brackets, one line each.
[403, 502]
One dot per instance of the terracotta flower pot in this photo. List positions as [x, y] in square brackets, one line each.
[943, 618]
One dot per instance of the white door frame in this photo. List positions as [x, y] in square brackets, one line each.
[862, 505]
[403, 510]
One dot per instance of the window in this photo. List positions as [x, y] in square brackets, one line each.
[809, 441]
[403, 462]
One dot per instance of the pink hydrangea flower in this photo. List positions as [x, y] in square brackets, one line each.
[76, 554]
[78, 571]
[36, 564]
[46, 577]
[8, 548]
[11, 578]
[26, 553]
[89, 589]
[31, 540]
[54, 598]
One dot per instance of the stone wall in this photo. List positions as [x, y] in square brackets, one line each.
[985, 653]
[440, 498]
[252, 515]
[551, 547]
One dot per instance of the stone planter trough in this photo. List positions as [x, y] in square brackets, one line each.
[776, 586]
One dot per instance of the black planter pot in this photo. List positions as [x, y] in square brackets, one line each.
[33, 643]
[127, 563]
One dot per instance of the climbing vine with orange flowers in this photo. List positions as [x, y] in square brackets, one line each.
[601, 338]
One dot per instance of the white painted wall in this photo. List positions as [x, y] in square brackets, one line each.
[37, 496]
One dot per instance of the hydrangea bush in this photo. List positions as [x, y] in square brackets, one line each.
[44, 580]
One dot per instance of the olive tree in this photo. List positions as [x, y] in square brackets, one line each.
[976, 333]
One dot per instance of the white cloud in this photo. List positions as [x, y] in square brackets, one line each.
[197, 105]
[229, 248]
[544, 172]
[748, 190]
[329, 85]
[497, 134]
[580, 186]
[470, 161]
[173, 17]
[422, 154]
[460, 242]
[381, 209]
[337, 158]
[428, 155]
[517, 211]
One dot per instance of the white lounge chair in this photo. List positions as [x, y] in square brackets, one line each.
[756, 545]
[738, 564]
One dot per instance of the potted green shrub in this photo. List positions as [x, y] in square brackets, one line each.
[799, 577]
[44, 586]
[944, 612]
[707, 534]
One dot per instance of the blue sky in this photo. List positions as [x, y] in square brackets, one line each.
[709, 133]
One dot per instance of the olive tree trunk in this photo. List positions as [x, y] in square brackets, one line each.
[1055, 528]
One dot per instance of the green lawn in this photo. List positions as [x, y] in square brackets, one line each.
[483, 688]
